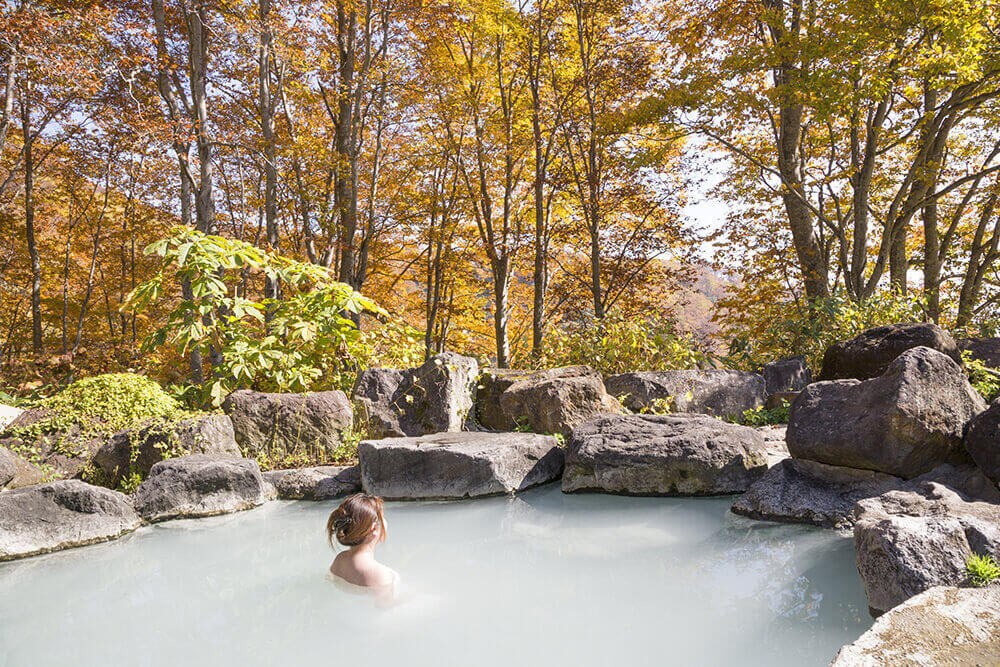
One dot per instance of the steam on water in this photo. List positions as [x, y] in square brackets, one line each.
[543, 579]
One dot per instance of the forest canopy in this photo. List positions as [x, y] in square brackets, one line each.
[505, 179]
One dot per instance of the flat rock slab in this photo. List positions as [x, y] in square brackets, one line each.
[803, 491]
[663, 455]
[909, 541]
[458, 465]
[941, 626]
[318, 483]
[199, 485]
[60, 515]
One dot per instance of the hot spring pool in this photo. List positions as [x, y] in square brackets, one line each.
[541, 579]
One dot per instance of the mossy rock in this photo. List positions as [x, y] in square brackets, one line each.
[63, 432]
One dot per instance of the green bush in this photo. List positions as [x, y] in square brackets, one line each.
[619, 344]
[306, 340]
[983, 378]
[778, 329]
[763, 417]
[982, 570]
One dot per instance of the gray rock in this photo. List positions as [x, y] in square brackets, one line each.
[15, 472]
[655, 455]
[802, 491]
[438, 396]
[458, 465]
[904, 422]
[941, 626]
[493, 382]
[61, 515]
[774, 443]
[136, 450]
[786, 375]
[909, 541]
[982, 441]
[965, 479]
[986, 350]
[723, 393]
[199, 485]
[556, 400]
[8, 413]
[319, 483]
[869, 354]
[288, 424]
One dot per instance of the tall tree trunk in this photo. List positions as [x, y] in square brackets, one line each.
[267, 107]
[197, 23]
[346, 193]
[29, 225]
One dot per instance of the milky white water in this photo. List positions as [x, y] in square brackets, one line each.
[542, 579]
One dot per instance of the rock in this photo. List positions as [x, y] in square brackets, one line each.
[869, 354]
[493, 382]
[909, 541]
[723, 393]
[199, 485]
[786, 375]
[61, 515]
[66, 452]
[136, 450]
[986, 350]
[982, 441]
[941, 626]
[660, 455]
[904, 422]
[287, 424]
[438, 396]
[8, 413]
[556, 400]
[319, 483]
[774, 443]
[15, 472]
[458, 465]
[802, 491]
[965, 479]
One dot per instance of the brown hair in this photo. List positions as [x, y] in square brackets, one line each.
[356, 519]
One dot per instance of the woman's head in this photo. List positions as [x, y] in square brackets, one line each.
[358, 520]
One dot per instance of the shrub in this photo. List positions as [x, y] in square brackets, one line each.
[763, 417]
[982, 570]
[776, 329]
[619, 344]
[985, 380]
[306, 340]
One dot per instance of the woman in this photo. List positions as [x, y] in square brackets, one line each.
[359, 525]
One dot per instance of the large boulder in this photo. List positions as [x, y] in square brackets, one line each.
[282, 425]
[723, 393]
[986, 350]
[870, 353]
[458, 465]
[438, 396]
[904, 422]
[663, 455]
[199, 485]
[909, 541]
[786, 375]
[802, 491]
[941, 626]
[982, 441]
[61, 515]
[15, 472]
[318, 483]
[556, 400]
[134, 451]
[8, 413]
[493, 382]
